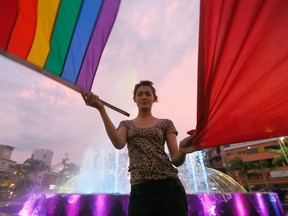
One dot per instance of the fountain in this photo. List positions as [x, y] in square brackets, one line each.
[102, 188]
[110, 169]
[115, 178]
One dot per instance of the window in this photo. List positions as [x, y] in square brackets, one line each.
[252, 151]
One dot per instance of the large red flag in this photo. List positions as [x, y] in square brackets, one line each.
[242, 71]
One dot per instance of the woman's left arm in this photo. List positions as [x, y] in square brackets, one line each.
[177, 156]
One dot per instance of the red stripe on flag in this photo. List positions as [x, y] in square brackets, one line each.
[24, 29]
[8, 15]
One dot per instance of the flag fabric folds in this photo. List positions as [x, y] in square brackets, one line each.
[64, 39]
[242, 72]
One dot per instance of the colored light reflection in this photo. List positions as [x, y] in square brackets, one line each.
[240, 205]
[262, 205]
[73, 202]
[204, 204]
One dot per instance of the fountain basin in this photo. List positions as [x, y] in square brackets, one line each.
[200, 204]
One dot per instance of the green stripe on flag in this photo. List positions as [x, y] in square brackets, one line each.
[63, 30]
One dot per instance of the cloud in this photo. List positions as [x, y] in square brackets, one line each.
[178, 93]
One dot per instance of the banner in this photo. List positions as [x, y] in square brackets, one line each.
[242, 72]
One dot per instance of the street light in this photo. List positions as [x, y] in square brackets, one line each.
[282, 145]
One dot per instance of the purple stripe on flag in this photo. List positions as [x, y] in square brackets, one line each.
[99, 38]
[80, 41]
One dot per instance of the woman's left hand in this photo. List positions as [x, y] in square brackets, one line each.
[187, 145]
[186, 142]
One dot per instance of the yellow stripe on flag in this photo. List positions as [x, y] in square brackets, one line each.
[46, 14]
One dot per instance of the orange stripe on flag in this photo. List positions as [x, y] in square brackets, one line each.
[46, 14]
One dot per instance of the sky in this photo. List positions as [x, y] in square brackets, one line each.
[150, 40]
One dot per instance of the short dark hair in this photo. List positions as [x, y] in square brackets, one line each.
[145, 83]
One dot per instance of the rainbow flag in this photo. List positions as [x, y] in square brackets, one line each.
[63, 39]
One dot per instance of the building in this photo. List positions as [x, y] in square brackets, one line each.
[6, 164]
[258, 158]
[213, 157]
[44, 155]
[6, 169]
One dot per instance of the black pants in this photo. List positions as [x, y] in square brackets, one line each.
[158, 198]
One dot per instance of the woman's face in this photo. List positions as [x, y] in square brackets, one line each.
[144, 97]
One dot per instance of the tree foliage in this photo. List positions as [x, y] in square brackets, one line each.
[238, 164]
[280, 159]
[32, 165]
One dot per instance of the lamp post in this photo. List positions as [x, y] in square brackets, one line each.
[282, 145]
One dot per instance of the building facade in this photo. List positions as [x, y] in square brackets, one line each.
[6, 164]
[256, 161]
[44, 155]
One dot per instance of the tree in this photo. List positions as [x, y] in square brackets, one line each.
[32, 165]
[31, 168]
[72, 169]
[262, 164]
[280, 158]
[238, 164]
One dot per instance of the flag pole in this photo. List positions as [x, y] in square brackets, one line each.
[115, 108]
[110, 106]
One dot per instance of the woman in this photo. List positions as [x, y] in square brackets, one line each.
[155, 186]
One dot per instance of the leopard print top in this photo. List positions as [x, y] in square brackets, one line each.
[147, 157]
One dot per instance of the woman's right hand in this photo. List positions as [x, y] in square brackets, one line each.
[92, 100]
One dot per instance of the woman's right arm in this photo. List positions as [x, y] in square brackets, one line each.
[117, 137]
